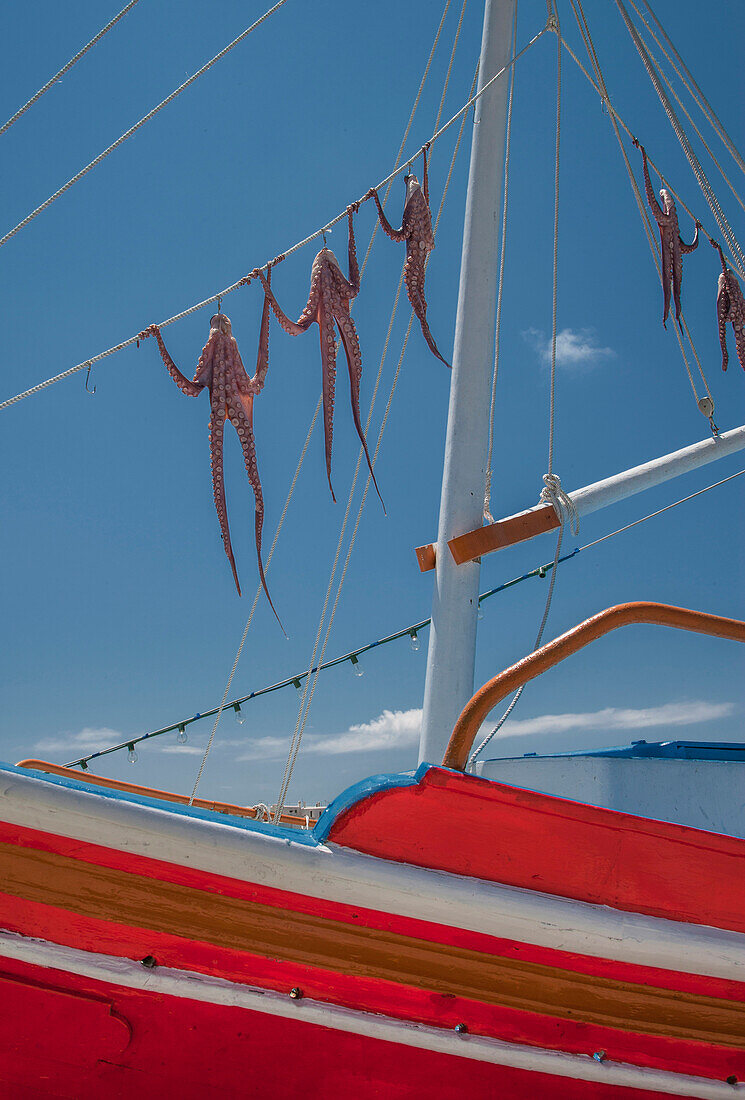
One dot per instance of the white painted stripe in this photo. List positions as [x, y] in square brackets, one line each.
[340, 875]
[199, 987]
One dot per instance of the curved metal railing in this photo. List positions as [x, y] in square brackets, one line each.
[492, 693]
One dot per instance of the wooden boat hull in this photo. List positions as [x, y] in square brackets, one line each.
[163, 942]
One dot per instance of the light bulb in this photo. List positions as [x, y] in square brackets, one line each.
[414, 643]
[132, 755]
[357, 668]
[182, 736]
[297, 685]
[480, 613]
[239, 719]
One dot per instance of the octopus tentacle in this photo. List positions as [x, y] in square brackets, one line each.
[351, 343]
[354, 267]
[686, 248]
[659, 215]
[292, 328]
[191, 389]
[240, 412]
[328, 379]
[395, 234]
[723, 305]
[217, 422]
[414, 279]
[262, 356]
[730, 307]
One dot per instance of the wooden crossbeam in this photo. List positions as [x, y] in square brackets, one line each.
[541, 518]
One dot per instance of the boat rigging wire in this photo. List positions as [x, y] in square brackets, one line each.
[502, 252]
[296, 679]
[245, 279]
[259, 590]
[539, 572]
[552, 492]
[414, 109]
[685, 111]
[694, 91]
[310, 686]
[701, 178]
[133, 129]
[235, 664]
[66, 68]
[602, 90]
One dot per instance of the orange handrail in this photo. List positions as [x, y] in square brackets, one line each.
[148, 792]
[625, 614]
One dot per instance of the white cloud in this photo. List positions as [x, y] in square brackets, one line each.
[87, 740]
[187, 750]
[396, 729]
[576, 349]
[616, 718]
[393, 729]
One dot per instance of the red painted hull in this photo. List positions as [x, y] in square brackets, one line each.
[123, 1043]
[107, 902]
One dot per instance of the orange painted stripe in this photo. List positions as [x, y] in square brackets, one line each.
[307, 939]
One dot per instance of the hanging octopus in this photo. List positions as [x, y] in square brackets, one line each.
[220, 369]
[672, 245]
[416, 230]
[730, 307]
[328, 303]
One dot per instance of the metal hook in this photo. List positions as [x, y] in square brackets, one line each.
[219, 303]
[87, 379]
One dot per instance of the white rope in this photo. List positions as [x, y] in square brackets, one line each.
[312, 678]
[288, 252]
[684, 109]
[259, 590]
[498, 327]
[616, 120]
[554, 306]
[66, 68]
[474, 756]
[694, 91]
[309, 687]
[552, 491]
[701, 178]
[133, 129]
[405, 138]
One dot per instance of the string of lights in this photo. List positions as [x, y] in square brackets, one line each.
[353, 656]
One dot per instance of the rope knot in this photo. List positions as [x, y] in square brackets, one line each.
[565, 508]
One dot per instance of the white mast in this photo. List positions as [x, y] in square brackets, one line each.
[452, 638]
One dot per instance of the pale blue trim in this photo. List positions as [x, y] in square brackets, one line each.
[359, 791]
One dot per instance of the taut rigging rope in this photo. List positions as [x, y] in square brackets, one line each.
[66, 68]
[616, 120]
[264, 267]
[133, 129]
[502, 253]
[552, 491]
[703, 182]
[695, 91]
[685, 110]
[310, 685]
[259, 590]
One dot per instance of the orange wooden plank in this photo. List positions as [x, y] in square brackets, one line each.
[425, 555]
[494, 536]
[505, 532]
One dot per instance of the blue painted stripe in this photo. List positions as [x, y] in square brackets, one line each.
[640, 750]
[246, 824]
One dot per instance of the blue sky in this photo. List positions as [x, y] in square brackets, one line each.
[118, 606]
